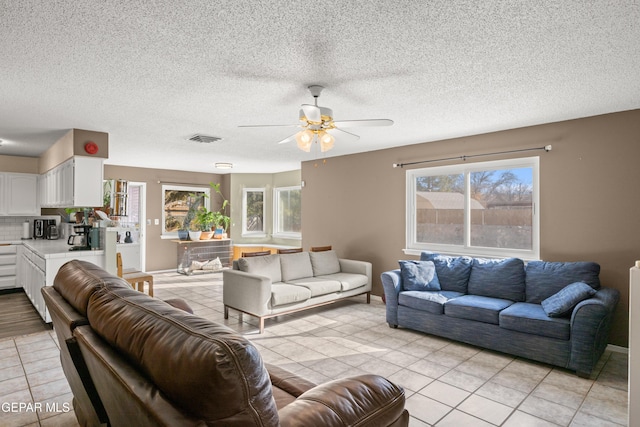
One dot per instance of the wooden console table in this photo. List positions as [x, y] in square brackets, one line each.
[202, 251]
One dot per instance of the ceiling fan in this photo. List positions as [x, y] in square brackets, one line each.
[317, 125]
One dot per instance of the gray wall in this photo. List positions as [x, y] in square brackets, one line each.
[590, 197]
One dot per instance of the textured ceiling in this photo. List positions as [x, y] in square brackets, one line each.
[152, 74]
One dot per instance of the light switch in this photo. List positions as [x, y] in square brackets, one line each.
[156, 221]
[148, 221]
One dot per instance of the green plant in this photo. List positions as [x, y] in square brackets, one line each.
[221, 219]
[205, 218]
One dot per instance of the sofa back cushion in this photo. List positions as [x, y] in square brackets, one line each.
[419, 276]
[77, 280]
[498, 278]
[544, 278]
[206, 369]
[325, 262]
[453, 272]
[268, 265]
[296, 266]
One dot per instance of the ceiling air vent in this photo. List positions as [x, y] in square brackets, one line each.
[204, 138]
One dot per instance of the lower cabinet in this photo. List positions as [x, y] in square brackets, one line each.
[33, 278]
[8, 266]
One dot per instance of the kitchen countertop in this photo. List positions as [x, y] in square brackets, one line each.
[54, 248]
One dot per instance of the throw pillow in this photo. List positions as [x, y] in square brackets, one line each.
[419, 276]
[563, 302]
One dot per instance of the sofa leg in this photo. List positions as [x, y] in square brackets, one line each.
[226, 312]
[393, 326]
[261, 323]
[368, 297]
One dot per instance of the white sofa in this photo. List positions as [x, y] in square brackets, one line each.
[277, 284]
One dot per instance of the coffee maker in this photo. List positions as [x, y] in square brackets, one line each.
[80, 240]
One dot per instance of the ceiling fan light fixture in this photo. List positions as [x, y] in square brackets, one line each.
[304, 140]
[326, 141]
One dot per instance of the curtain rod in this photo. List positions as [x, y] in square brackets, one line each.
[546, 148]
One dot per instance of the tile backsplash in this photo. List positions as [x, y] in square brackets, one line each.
[11, 226]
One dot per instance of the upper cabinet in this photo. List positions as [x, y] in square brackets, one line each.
[74, 183]
[19, 194]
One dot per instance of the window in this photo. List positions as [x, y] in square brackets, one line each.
[179, 206]
[287, 212]
[483, 209]
[253, 212]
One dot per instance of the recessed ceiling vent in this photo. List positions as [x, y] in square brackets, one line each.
[204, 138]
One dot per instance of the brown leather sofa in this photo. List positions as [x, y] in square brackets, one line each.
[135, 360]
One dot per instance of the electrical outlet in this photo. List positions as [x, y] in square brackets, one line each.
[148, 222]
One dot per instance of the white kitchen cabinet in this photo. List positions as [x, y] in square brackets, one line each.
[74, 183]
[32, 279]
[19, 194]
[8, 266]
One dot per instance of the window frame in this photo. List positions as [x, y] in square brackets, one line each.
[415, 248]
[276, 213]
[190, 188]
[245, 232]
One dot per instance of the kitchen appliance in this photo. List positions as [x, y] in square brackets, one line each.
[38, 228]
[51, 229]
[80, 241]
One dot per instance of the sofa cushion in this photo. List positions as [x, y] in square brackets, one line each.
[348, 281]
[497, 278]
[428, 301]
[544, 278]
[283, 294]
[317, 285]
[268, 266]
[453, 272]
[475, 307]
[531, 319]
[295, 266]
[419, 276]
[562, 303]
[325, 262]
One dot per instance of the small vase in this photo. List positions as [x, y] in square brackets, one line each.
[194, 235]
[183, 234]
[206, 235]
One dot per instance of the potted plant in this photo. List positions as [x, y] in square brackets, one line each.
[221, 220]
[205, 220]
[188, 224]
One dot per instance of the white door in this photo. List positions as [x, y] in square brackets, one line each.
[137, 196]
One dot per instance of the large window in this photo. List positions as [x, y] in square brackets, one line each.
[253, 212]
[180, 203]
[485, 209]
[287, 212]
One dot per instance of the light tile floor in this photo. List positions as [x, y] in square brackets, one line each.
[446, 383]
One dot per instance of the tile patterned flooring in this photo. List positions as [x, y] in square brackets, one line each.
[446, 383]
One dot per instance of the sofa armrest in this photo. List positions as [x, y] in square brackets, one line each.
[590, 326]
[247, 292]
[392, 285]
[364, 400]
[355, 267]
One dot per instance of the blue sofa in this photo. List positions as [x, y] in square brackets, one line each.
[551, 312]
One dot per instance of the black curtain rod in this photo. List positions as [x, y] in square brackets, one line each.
[546, 148]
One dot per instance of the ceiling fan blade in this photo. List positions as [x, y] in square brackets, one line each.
[265, 126]
[366, 122]
[312, 113]
[343, 135]
[288, 139]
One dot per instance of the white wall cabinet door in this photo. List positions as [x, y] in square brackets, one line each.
[19, 194]
[74, 183]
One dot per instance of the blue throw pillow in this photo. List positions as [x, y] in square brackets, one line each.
[419, 276]
[563, 302]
